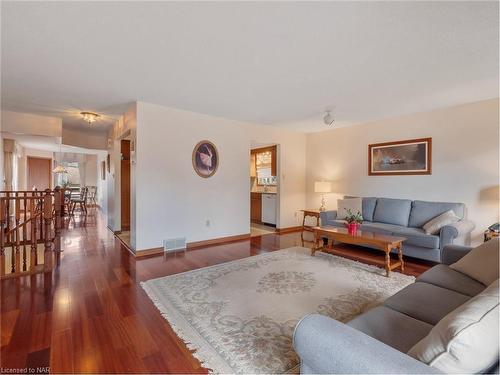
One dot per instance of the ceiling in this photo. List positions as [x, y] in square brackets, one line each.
[276, 63]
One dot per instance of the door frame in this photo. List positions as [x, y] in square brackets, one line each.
[125, 183]
[277, 147]
[28, 170]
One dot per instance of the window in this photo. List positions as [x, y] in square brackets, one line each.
[72, 178]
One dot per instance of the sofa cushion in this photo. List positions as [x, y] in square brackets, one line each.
[417, 237]
[448, 278]
[392, 211]
[352, 204]
[379, 227]
[481, 263]
[387, 325]
[422, 211]
[337, 223]
[466, 340]
[368, 206]
[434, 226]
[426, 302]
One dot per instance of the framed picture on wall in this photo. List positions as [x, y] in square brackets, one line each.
[205, 159]
[410, 157]
[103, 170]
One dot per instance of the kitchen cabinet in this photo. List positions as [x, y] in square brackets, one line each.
[255, 207]
[269, 208]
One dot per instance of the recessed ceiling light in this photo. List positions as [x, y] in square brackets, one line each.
[90, 117]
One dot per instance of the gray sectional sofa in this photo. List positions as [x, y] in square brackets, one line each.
[377, 341]
[403, 217]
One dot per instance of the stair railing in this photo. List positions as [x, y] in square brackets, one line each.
[29, 223]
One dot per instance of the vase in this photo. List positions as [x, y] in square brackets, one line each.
[352, 228]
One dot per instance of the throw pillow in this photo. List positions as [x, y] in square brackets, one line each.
[434, 225]
[353, 204]
[481, 263]
[465, 340]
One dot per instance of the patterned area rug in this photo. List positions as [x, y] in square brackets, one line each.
[240, 316]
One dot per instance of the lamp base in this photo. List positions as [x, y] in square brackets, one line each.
[323, 207]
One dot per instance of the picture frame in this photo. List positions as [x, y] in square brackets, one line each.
[205, 159]
[408, 157]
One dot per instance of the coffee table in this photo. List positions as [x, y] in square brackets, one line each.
[384, 242]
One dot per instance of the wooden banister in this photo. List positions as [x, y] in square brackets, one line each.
[29, 219]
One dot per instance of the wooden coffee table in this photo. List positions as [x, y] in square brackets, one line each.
[383, 242]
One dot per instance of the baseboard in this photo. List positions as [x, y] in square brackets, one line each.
[194, 245]
[218, 241]
[149, 252]
[289, 229]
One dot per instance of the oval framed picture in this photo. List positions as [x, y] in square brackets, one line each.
[205, 159]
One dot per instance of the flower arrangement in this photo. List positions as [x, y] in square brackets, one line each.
[353, 221]
[353, 217]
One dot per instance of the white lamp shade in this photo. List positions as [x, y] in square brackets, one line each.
[322, 187]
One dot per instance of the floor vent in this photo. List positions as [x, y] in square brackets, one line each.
[174, 244]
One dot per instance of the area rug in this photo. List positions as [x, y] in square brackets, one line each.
[239, 316]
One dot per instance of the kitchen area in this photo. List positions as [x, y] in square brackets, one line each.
[263, 190]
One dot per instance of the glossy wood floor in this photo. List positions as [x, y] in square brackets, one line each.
[91, 315]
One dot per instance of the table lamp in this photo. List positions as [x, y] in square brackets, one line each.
[322, 187]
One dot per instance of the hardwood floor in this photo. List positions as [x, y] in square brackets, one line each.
[91, 315]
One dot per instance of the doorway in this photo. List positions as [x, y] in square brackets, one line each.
[39, 173]
[264, 190]
[125, 185]
[125, 195]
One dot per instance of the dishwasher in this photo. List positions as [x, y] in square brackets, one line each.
[269, 209]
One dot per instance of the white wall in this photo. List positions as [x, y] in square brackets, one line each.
[86, 139]
[465, 168]
[102, 194]
[173, 201]
[26, 123]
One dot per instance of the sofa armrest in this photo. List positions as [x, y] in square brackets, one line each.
[453, 253]
[326, 216]
[455, 233]
[325, 345]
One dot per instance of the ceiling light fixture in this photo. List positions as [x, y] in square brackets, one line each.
[60, 168]
[328, 118]
[90, 117]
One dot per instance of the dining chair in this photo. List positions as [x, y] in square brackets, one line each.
[92, 195]
[81, 200]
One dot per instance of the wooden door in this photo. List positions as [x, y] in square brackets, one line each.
[39, 173]
[256, 207]
[125, 184]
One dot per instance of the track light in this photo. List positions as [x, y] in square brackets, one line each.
[328, 118]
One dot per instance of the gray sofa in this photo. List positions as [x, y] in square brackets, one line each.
[378, 340]
[405, 218]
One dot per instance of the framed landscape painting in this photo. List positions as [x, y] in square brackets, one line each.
[410, 157]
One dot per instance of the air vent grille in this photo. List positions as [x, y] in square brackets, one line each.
[174, 244]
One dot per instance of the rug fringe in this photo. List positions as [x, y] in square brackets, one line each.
[195, 344]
